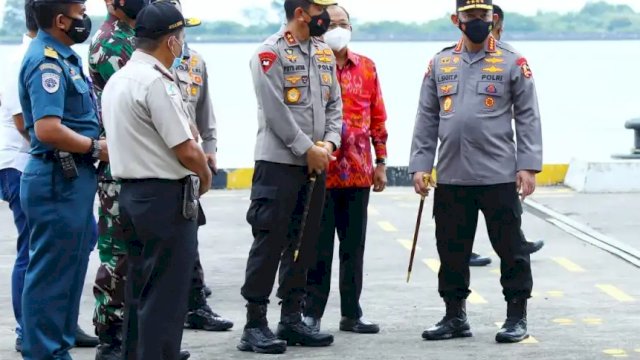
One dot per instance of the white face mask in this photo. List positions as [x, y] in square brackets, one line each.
[338, 38]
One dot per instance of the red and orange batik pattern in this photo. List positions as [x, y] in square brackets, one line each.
[364, 117]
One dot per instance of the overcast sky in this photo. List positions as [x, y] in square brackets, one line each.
[364, 10]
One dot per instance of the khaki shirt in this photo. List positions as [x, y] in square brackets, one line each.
[469, 103]
[298, 95]
[144, 118]
[193, 80]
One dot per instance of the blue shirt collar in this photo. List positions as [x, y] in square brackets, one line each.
[63, 50]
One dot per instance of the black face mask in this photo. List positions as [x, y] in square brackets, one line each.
[80, 29]
[477, 30]
[319, 24]
[131, 8]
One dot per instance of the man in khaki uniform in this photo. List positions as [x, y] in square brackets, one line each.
[299, 106]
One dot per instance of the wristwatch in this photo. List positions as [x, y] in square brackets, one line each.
[381, 161]
[96, 150]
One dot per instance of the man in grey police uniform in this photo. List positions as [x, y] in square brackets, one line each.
[163, 172]
[299, 105]
[192, 79]
[480, 167]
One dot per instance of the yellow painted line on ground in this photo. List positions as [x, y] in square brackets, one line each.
[475, 298]
[555, 293]
[373, 211]
[407, 244]
[432, 264]
[592, 321]
[615, 293]
[568, 264]
[529, 340]
[616, 352]
[563, 321]
[387, 226]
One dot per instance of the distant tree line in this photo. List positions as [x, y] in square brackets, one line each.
[596, 20]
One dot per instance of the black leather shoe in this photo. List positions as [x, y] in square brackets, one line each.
[207, 291]
[534, 247]
[453, 325]
[184, 355]
[313, 323]
[204, 318]
[261, 340]
[109, 352]
[515, 327]
[359, 326]
[18, 345]
[478, 260]
[84, 340]
[295, 332]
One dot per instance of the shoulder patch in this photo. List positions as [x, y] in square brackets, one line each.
[50, 52]
[267, 59]
[50, 82]
[50, 66]
[524, 67]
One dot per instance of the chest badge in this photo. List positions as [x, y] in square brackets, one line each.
[491, 89]
[494, 60]
[446, 88]
[293, 79]
[455, 60]
[293, 95]
[326, 79]
[448, 69]
[448, 104]
[493, 69]
[489, 102]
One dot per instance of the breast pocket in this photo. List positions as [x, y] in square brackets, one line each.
[80, 99]
[447, 95]
[491, 94]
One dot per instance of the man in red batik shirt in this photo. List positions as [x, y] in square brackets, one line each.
[349, 182]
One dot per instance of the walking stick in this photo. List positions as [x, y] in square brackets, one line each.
[312, 184]
[425, 178]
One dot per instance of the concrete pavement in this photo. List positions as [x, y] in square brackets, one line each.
[586, 302]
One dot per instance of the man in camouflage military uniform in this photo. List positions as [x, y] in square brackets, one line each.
[110, 50]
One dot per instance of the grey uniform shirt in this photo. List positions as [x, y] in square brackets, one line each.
[144, 118]
[469, 105]
[193, 80]
[298, 95]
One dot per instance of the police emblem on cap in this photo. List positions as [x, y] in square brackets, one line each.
[50, 82]
[464, 5]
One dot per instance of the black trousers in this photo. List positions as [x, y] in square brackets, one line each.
[456, 215]
[162, 251]
[345, 211]
[278, 198]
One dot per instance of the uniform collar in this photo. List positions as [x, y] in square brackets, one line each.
[292, 41]
[489, 45]
[62, 49]
[352, 57]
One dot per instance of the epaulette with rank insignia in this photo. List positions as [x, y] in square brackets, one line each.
[50, 52]
[452, 46]
[163, 72]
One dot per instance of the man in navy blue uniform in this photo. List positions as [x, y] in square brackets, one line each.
[59, 182]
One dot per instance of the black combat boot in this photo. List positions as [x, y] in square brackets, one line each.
[257, 336]
[515, 327]
[296, 332]
[110, 347]
[201, 317]
[84, 340]
[453, 325]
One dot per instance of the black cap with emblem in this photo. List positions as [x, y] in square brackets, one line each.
[158, 19]
[464, 5]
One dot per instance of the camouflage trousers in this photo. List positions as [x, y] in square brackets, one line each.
[109, 287]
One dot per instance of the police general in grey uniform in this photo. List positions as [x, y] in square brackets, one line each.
[466, 102]
[299, 105]
[163, 172]
[192, 79]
